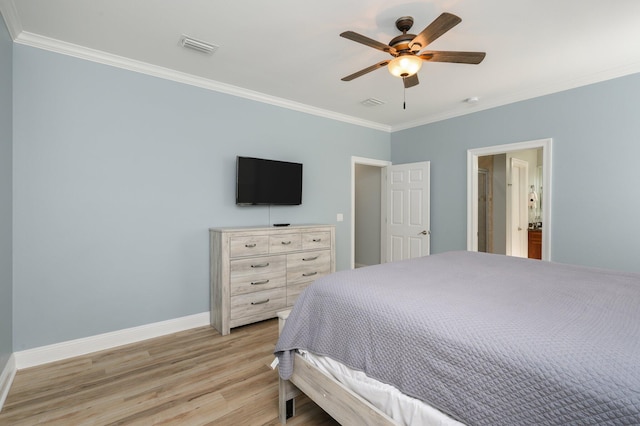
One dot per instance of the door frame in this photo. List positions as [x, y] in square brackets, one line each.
[367, 162]
[472, 188]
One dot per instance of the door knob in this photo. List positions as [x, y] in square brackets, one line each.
[425, 232]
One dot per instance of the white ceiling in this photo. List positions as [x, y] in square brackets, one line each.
[289, 53]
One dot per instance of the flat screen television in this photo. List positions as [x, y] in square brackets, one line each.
[262, 181]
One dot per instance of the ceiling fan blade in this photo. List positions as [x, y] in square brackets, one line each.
[365, 71]
[439, 26]
[368, 42]
[456, 57]
[410, 81]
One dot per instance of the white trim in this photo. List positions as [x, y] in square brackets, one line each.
[11, 18]
[6, 379]
[529, 93]
[472, 189]
[14, 25]
[72, 348]
[81, 52]
[366, 162]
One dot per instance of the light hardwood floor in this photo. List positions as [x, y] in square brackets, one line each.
[195, 377]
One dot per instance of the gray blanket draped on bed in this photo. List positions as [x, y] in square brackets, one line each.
[487, 339]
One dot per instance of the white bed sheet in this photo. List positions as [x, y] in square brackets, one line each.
[403, 409]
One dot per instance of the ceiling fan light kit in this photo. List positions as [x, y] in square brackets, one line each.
[405, 66]
[405, 49]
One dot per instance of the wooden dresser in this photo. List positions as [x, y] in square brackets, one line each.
[257, 271]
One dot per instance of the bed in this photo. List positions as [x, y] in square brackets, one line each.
[480, 338]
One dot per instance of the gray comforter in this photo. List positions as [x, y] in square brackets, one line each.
[487, 339]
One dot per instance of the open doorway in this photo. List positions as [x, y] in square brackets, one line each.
[493, 224]
[398, 198]
[368, 215]
[366, 208]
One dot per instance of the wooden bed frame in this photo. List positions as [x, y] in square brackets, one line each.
[345, 406]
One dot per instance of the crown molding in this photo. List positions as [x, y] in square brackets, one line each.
[81, 52]
[11, 18]
[523, 95]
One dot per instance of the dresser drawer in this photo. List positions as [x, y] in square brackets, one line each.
[283, 243]
[257, 282]
[258, 266]
[258, 305]
[316, 240]
[251, 245]
[308, 266]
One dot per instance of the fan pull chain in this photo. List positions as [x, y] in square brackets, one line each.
[404, 94]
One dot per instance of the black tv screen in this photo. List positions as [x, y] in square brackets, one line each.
[261, 181]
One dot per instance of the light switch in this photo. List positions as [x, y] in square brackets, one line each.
[339, 217]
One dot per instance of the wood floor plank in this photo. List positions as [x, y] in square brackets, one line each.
[194, 377]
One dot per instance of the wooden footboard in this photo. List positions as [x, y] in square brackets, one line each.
[347, 407]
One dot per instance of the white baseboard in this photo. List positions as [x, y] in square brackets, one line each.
[6, 379]
[72, 348]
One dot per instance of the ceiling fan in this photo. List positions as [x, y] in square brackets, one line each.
[405, 49]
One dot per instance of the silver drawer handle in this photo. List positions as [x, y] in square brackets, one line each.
[250, 245]
[317, 240]
[310, 274]
[260, 265]
[262, 302]
[285, 243]
[306, 259]
[259, 282]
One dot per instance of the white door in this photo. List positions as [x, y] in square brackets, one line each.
[518, 226]
[407, 211]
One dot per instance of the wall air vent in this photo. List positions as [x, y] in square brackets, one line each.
[371, 102]
[200, 46]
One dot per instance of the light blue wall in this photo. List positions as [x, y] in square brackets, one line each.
[6, 203]
[118, 177]
[596, 147]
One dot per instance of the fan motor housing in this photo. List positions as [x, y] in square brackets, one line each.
[401, 42]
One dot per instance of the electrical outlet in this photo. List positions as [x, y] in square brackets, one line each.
[339, 217]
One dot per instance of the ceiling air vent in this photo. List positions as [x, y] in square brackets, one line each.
[371, 102]
[200, 46]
